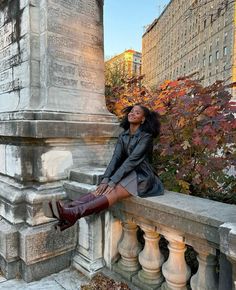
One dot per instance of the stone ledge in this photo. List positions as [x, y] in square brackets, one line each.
[59, 116]
[54, 129]
[189, 215]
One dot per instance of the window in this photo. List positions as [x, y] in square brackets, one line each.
[204, 62]
[205, 23]
[225, 37]
[225, 50]
[217, 54]
[210, 59]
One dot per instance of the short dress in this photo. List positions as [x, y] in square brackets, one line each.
[130, 183]
[130, 165]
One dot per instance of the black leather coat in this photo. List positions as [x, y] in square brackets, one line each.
[134, 152]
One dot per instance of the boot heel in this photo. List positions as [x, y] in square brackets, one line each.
[47, 210]
[62, 225]
[55, 209]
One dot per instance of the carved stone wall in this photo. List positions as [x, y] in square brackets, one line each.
[52, 118]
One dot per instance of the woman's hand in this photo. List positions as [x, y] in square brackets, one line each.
[108, 190]
[101, 188]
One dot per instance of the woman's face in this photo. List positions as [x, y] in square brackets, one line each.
[136, 115]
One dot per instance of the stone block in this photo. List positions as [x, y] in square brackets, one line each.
[44, 268]
[90, 175]
[10, 270]
[44, 242]
[75, 189]
[9, 241]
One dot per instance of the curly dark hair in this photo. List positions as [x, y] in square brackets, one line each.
[151, 124]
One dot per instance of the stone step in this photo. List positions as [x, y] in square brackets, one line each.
[75, 189]
[88, 175]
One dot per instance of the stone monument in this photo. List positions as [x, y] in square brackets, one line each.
[53, 118]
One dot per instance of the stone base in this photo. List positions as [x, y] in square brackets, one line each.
[87, 267]
[10, 270]
[164, 286]
[42, 269]
[141, 282]
[128, 275]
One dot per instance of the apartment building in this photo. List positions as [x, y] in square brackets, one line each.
[191, 36]
[129, 63]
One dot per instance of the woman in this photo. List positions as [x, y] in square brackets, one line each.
[128, 173]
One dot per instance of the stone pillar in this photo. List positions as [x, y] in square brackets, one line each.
[175, 269]
[151, 260]
[227, 233]
[89, 251]
[205, 278]
[129, 248]
[52, 111]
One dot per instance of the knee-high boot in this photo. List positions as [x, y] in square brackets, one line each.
[71, 215]
[48, 206]
[81, 199]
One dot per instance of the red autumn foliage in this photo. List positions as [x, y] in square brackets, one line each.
[196, 151]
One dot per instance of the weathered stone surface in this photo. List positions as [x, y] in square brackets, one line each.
[44, 268]
[228, 239]
[50, 160]
[10, 270]
[228, 257]
[44, 242]
[69, 279]
[173, 211]
[113, 233]
[89, 175]
[53, 118]
[9, 241]
[89, 251]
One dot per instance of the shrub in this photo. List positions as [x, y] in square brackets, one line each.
[196, 151]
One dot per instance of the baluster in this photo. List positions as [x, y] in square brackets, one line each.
[129, 248]
[205, 278]
[175, 269]
[151, 261]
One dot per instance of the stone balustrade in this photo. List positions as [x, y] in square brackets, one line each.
[207, 226]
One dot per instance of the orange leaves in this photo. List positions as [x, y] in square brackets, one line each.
[181, 122]
[198, 132]
[211, 111]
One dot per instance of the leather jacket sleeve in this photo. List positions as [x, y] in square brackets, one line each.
[134, 159]
[115, 160]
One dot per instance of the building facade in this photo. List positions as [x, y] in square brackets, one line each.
[196, 36]
[128, 63]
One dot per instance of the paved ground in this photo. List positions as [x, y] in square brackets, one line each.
[69, 279]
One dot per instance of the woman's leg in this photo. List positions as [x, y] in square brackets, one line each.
[118, 193]
[48, 206]
[71, 215]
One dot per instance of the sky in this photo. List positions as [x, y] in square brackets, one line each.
[124, 22]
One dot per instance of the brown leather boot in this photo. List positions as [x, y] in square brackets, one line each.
[71, 215]
[82, 199]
